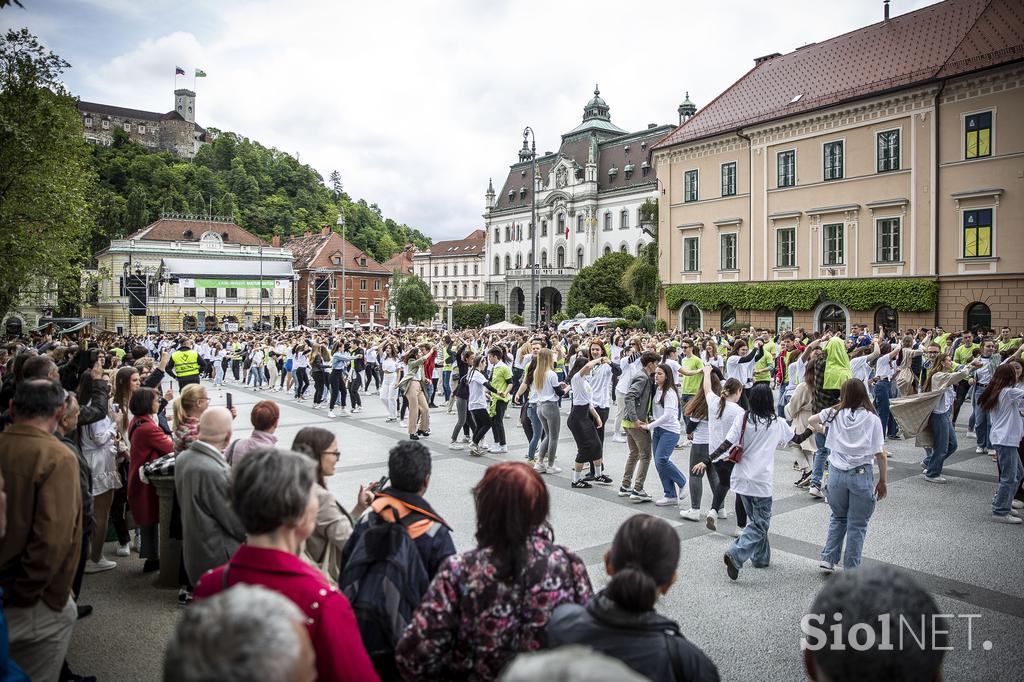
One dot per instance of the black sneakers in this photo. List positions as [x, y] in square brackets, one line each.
[581, 484]
[730, 567]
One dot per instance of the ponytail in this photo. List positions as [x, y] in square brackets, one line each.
[632, 588]
[643, 560]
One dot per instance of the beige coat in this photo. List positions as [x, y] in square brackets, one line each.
[799, 409]
[333, 528]
[914, 412]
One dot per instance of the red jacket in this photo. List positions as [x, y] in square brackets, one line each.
[332, 627]
[148, 442]
[428, 366]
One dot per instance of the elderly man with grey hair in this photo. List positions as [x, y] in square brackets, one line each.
[246, 633]
[211, 531]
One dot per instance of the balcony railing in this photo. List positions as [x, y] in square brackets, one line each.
[549, 271]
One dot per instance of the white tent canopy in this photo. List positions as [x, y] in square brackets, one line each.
[504, 326]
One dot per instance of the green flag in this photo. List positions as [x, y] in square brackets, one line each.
[200, 73]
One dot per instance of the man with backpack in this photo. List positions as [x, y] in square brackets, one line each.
[392, 555]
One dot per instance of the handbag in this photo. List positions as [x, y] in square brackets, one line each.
[736, 451]
[161, 466]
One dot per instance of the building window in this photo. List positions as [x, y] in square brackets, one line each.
[886, 317]
[127, 127]
[729, 179]
[435, 291]
[560, 257]
[579, 222]
[446, 271]
[529, 231]
[728, 251]
[624, 219]
[623, 248]
[833, 160]
[978, 317]
[444, 290]
[508, 232]
[231, 292]
[561, 223]
[376, 285]
[785, 247]
[88, 122]
[888, 143]
[465, 269]
[336, 260]
[978, 135]
[508, 262]
[607, 221]
[476, 290]
[264, 293]
[497, 235]
[519, 260]
[832, 319]
[691, 254]
[887, 239]
[543, 228]
[834, 253]
[210, 293]
[142, 130]
[978, 233]
[786, 162]
[190, 292]
[421, 273]
[362, 261]
[607, 249]
[362, 307]
[579, 258]
[105, 124]
[543, 258]
[476, 269]
[435, 271]
[362, 285]
[728, 317]
[690, 185]
[497, 264]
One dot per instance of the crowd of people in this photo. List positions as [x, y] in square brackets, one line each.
[375, 589]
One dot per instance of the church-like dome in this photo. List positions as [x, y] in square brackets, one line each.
[596, 107]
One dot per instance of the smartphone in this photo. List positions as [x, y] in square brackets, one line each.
[379, 485]
[228, 399]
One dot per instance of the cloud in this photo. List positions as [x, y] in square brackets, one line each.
[418, 103]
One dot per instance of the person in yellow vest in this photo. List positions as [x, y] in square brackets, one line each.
[236, 358]
[185, 364]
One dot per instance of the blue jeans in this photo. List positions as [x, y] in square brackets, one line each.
[531, 412]
[662, 444]
[784, 396]
[753, 543]
[883, 394]
[818, 464]
[945, 443]
[981, 420]
[256, 375]
[1011, 473]
[446, 383]
[851, 495]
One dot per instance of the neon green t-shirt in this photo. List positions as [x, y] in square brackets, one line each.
[691, 384]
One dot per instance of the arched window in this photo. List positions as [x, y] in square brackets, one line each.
[783, 320]
[543, 228]
[519, 260]
[508, 261]
[544, 258]
[832, 318]
[728, 316]
[689, 318]
[886, 317]
[607, 249]
[579, 258]
[978, 317]
[623, 248]
[560, 257]
[639, 247]
[529, 258]
[497, 264]
[623, 219]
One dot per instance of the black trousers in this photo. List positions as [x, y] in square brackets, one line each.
[235, 366]
[353, 390]
[337, 389]
[961, 390]
[119, 507]
[319, 382]
[584, 432]
[301, 381]
[372, 372]
[481, 425]
[524, 419]
[498, 425]
[724, 477]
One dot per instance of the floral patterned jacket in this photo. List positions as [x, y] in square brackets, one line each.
[471, 625]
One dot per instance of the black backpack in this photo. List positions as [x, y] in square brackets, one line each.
[384, 579]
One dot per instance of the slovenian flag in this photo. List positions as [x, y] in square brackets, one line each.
[200, 73]
[178, 71]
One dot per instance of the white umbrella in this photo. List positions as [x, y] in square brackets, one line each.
[504, 326]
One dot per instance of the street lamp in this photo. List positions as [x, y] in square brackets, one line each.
[450, 304]
[341, 224]
[528, 133]
[394, 322]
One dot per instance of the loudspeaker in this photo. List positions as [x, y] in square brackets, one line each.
[137, 294]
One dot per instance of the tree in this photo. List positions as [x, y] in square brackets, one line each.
[600, 310]
[473, 315]
[600, 283]
[45, 180]
[632, 312]
[412, 299]
[641, 279]
[138, 213]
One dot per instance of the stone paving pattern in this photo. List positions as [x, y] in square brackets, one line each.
[750, 628]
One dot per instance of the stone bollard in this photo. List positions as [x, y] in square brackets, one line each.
[170, 550]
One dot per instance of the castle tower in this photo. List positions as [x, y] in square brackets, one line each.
[490, 194]
[185, 104]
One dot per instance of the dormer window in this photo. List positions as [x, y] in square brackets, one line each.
[105, 124]
[88, 122]
[628, 170]
[522, 191]
[336, 259]
[362, 261]
[626, 149]
[643, 145]
[645, 168]
[511, 195]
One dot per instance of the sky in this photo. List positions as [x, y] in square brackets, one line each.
[417, 103]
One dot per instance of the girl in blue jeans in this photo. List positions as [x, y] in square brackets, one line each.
[854, 441]
[665, 431]
[1003, 401]
[942, 376]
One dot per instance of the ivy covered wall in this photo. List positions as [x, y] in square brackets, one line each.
[904, 295]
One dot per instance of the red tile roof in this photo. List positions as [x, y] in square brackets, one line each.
[947, 39]
[401, 261]
[471, 245]
[317, 251]
[191, 230]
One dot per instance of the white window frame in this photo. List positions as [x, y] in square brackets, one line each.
[842, 166]
[824, 241]
[105, 124]
[777, 155]
[899, 239]
[899, 155]
[779, 264]
[735, 251]
[607, 221]
[696, 254]
[696, 185]
[735, 174]
[624, 219]
[127, 127]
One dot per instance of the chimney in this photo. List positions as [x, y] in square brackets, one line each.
[276, 241]
[326, 230]
[652, 125]
[885, 3]
[759, 60]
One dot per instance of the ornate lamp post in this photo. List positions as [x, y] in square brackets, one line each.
[528, 133]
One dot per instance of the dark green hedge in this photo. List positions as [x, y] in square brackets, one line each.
[904, 295]
[474, 315]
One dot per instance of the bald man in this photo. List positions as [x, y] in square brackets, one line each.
[210, 530]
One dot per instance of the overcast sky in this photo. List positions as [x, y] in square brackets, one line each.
[418, 102]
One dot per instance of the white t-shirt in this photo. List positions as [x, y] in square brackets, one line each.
[601, 382]
[796, 374]
[719, 428]
[702, 434]
[854, 437]
[741, 371]
[477, 394]
[547, 391]
[389, 365]
[860, 369]
[666, 417]
[581, 389]
[753, 474]
[883, 367]
[1006, 426]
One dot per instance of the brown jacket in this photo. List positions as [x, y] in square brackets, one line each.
[40, 552]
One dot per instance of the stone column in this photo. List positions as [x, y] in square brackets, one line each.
[170, 550]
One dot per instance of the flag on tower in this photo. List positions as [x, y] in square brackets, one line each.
[200, 73]
[178, 71]
[566, 230]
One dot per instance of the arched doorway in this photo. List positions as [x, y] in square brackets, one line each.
[189, 323]
[690, 317]
[978, 317]
[516, 301]
[832, 317]
[886, 317]
[728, 317]
[550, 303]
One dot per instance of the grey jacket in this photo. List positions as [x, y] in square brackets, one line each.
[639, 397]
[211, 532]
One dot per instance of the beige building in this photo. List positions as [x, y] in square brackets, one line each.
[453, 270]
[191, 273]
[861, 174]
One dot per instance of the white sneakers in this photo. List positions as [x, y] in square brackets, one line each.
[934, 479]
[1009, 518]
[711, 520]
[105, 564]
[690, 514]
[619, 438]
[980, 450]
[455, 445]
[816, 492]
[123, 550]
[330, 413]
[827, 566]
[1017, 504]
[666, 501]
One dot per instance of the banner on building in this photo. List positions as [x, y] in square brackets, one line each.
[234, 283]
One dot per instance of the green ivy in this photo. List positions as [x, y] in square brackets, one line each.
[473, 315]
[904, 295]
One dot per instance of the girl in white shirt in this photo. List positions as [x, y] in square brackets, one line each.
[710, 355]
[723, 411]
[697, 413]
[1004, 400]
[583, 423]
[389, 381]
[665, 430]
[854, 440]
[740, 366]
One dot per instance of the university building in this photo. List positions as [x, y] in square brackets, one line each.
[588, 194]
[175, 131]
[453, 270]
[190, 273]
[876, 177]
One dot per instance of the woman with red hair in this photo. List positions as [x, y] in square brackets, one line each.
[264, 417]
[489, 604]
